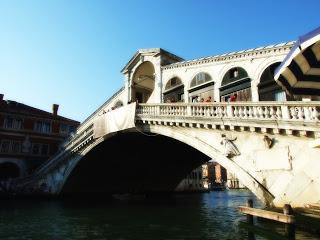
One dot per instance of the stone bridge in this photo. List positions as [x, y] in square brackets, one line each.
[272, 147]
[270, 143]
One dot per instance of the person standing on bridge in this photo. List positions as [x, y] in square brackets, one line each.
[233, 98]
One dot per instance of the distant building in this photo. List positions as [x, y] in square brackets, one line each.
[217, 175]
[233, 182]
[29, 136]
[196, 181]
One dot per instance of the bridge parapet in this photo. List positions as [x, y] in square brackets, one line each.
[291, 118]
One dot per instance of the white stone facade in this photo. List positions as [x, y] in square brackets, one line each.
[253, 61]
[167, 66]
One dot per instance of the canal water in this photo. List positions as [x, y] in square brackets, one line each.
[203, 216]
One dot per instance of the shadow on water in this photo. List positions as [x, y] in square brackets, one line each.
[184, 216]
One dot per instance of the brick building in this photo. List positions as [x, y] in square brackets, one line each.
[29, 136]
[217, 175]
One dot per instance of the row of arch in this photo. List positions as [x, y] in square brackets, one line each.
[236, 82]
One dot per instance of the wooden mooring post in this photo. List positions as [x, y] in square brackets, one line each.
[286, 217]
[249, 216]
[289, 227]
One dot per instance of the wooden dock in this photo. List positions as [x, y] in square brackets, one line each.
[279, 217]
[286, 217]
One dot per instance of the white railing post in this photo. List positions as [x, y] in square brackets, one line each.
[189, 113]
[157, 112]
[315, 113]
[230, 111]
[285, 112]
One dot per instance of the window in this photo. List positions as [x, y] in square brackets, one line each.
[43, 127]
[13, 123]
[66, 129]
[44, 149]
[233, 75]
[40, 149]
[5, 146]
[172, 83]
[72, 129]
[8, 146]
[16, 147]
[36, 148]
[46, 127]
[63, 128]
[200, 78]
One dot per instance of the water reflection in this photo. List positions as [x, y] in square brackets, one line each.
[202, 216]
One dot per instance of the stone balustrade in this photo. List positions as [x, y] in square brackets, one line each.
[296, 118]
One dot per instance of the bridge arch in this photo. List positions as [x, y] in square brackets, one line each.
[192, 141]
[143, 82]
[164, 173]
[213, 153]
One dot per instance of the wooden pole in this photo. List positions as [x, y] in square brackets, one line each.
[289, 228]
[250, 217]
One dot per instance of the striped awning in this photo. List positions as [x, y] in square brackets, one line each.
[299, 73]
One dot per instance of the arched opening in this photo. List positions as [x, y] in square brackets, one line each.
[143, 82]
[174, 91]
[141, 168]
[268, 89]
[236, 82]
[149, 164]
[9, 170]
[201, 88]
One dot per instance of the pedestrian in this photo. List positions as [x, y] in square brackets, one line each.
[209, 99]
[195, 99]
[233, 98]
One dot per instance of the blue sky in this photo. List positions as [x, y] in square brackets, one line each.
[71, 52]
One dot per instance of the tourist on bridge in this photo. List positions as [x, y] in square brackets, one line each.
[233, 98]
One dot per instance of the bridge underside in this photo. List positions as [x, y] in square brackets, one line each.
[132, 162]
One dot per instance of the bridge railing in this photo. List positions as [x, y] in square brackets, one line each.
[286, 111]
[291, 118]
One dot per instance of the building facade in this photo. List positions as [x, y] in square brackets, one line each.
[29, 136]
[157, 76]
[217, 175]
